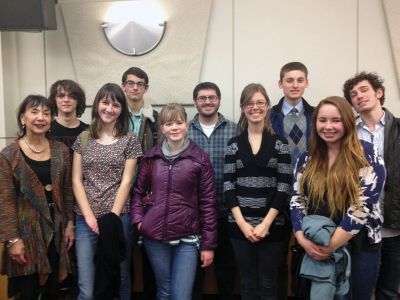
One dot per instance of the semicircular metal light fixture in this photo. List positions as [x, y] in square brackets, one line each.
[133, 28]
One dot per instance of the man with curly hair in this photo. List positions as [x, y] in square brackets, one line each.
[377, 125]
[69, 103]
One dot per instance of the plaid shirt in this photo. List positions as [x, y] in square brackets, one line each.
[215, 147]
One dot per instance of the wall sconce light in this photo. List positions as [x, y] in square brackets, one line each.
[134, 27]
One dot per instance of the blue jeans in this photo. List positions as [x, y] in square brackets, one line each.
[258, 264]
[389, 274]
[85, 246]
[174, 268]
[224, 266]
[364, 272]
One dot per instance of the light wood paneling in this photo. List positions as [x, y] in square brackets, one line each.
[3, 280]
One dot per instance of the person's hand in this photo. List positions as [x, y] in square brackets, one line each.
[261, 231]
[248, 231]
[115, 211]
[313, 250]
[326, 250]
[69, 236]
[91, 221]
[206, 257]
[17, 252]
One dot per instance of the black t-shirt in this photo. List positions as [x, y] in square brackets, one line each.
[66, 135]
[42, 171]
[322, 209]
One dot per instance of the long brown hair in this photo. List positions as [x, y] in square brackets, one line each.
[340, 182]
[245, 98]
[115, 92]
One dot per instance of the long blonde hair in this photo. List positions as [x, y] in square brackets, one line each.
[340, 182]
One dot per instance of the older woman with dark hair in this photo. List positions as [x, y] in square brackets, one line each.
[36, 214]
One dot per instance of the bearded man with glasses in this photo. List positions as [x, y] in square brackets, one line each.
[211, 131]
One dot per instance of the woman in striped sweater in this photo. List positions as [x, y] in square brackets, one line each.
[257, 186]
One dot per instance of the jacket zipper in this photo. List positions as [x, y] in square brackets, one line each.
[167, 203]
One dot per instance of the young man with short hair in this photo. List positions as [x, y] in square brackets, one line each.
[211, 131]
[377, 125]
[292, 118]
[143, 123]
[143, 118]
[69, 103]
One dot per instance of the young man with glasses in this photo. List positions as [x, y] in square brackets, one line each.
[143, 118]
[292, 118]
[377, 125]
[143, 123]
[211, 131]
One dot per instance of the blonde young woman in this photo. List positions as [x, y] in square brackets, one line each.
[178, 223]
[341, 178]
[257, 185]
[103, 168]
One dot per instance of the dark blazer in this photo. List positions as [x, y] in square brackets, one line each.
[276, 118]
[391, 209]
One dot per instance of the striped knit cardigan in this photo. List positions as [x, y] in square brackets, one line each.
[24, 211]
[258, 182]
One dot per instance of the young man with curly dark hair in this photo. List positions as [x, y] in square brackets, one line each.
[69, 103]
[377, 125]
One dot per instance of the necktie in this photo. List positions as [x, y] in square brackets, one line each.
[294, 112]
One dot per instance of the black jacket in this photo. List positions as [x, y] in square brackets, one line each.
[110, 252]
[391, 209]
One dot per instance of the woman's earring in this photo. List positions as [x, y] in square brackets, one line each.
[23, 126]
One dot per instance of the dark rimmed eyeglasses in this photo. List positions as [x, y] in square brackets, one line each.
[131, 84]
[258, 104]
[202, 99]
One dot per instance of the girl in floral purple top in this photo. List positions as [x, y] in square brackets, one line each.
[103, 167]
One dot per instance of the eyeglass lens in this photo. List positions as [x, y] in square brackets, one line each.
[258, 104]
[132, 84]
[204, 98]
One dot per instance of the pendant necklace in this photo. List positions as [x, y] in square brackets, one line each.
[33, 149]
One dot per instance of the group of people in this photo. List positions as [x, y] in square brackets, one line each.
[203, 191]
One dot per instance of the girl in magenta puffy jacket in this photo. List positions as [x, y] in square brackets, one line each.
[178, 219]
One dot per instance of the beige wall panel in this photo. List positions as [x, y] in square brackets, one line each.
[173, 67]
[319, 33]
[2, 120]
[11, 82]
[218, 55]
[236, 43]
[59, 63]
[375, 53]
[23, 61]
[31, 64]
[392, 13]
